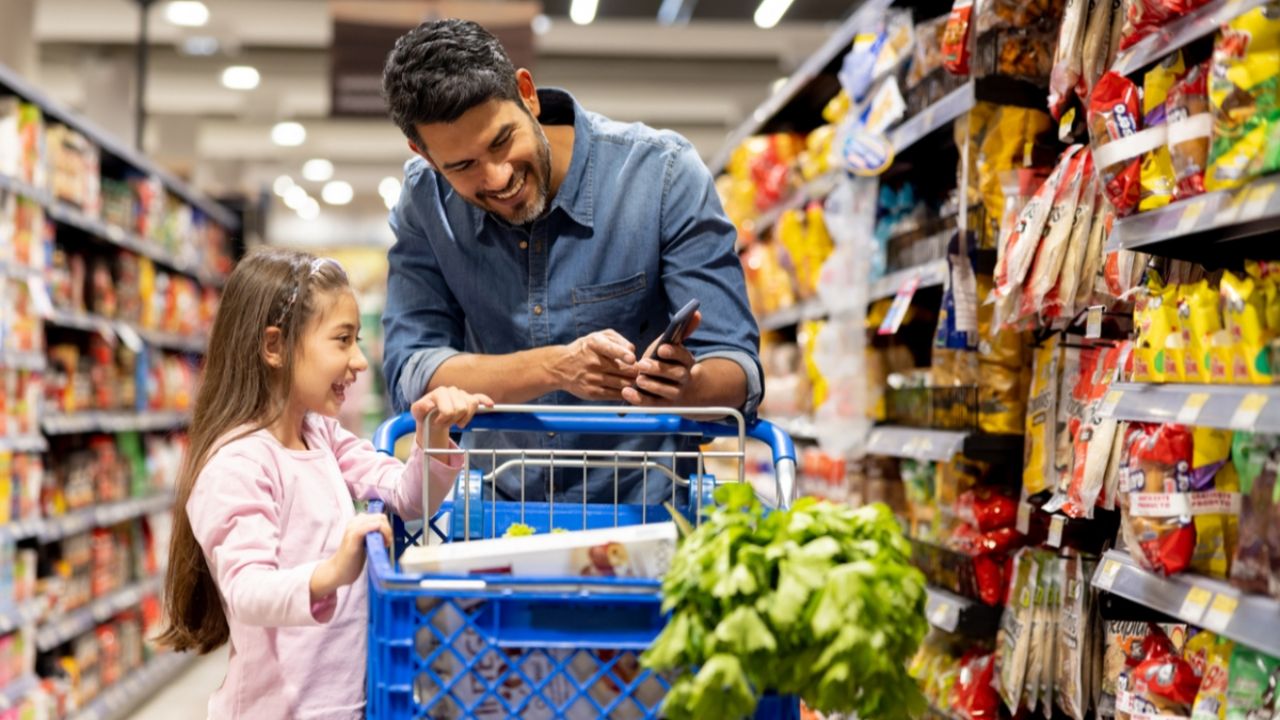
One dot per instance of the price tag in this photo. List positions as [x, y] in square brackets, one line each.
[1255, 202]
[1107, 575]
[1190, 216]
[1109, 403]
[1056, 526]
[1191, 408]
[901, 303]
[1220, 613]
[1194, 606]
[129, 337]
[1093, 322]
[1024, 517]
[1246, 415]
[1064, 125]
[939, 615]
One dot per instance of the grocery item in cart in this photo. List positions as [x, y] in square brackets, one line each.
[1243, 94]
[1157, 460]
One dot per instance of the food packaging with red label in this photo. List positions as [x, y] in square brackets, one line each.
[1114, 114]
[987, 508]
[955, 38]
[1157, 459]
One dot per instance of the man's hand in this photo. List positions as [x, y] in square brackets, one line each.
[596, 367]
[666, 372]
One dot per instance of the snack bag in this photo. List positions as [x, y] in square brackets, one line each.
[1163, 683]
[1060, 300]
[1097, 41]
[1212, 448]
[955, 38]
[1067, 58]
[1157, 459]
[1243, 97]
[1094, 440]
[1013, 641]
[1154, 314]
[1254, 459]
[1144, 17]
[1042, 411]
[1047, 265]
[1157, 165]
[1251, 682]
[1211, 699]
[1099, 229]
[1199, 321]
[1069, 686]
[1243, 314]
[1114, 116]
[1190, 126]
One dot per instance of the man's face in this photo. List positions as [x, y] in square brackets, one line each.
[496, 157]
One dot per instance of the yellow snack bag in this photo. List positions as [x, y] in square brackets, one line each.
[1210, 449]
[1158, 178]
[1041, 418]
[1243, 315]
[1155, 315]
[1199, 320]
[1211, 700]
[1243, 83]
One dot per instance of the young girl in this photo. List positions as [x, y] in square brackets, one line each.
[267, 549]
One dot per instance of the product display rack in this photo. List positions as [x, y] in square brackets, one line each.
[48, 631]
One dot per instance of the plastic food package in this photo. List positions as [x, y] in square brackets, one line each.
[1015, 14]
[1163, 683]
[1099, 229]
[1007, 144]
[1157, 166]
[1067, 58]
[1211, 698]
[1251, 683]
[1157, 459]
[1190, 125]
[1200, 323]
[1013, 641]
[1067, 420]
[1097, 41]
[1243, 96]
[1095, 438]
[987, 508]
[1155, 316]
[1209, 472]
[927, 56]
[1252, 456]
[1060, 301]
[955, 38]
[1113, 116]
[1069, 686]
[1047, 265]
[1244, 317]
[1041, 413]
[1144, 17]
[975, 696]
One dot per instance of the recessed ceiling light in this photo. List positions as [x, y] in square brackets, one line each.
[288, 134]
[337, 192]
[200, 45]
[187, 13]
[282, 185]
[389, 187]
[583, 12]
[309, 210]
[295, 196]
[317, 170]
[240, 77]
[770, 12]
[541, 24]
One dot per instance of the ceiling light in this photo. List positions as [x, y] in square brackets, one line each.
[240, 77]
[317, 170]
[541, 24]
[309, 210]
[337, 192]
[201, 45]
[187, 13]
[770, 12]
[282, 185]
[583, 12]
[288, 134]
[389, 187]
[295, 196]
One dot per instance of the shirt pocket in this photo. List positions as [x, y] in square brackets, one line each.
[616, 305]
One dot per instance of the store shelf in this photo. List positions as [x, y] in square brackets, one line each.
[114, 422]
[24, 444]
[807, 310]
[17, 271]
[955, 614]
[1232, 407]
[1203, 228]
[1247, 619]
[834, 48]
[931, 274]
[12, 618]
[816, 189]
[120, 699]
[54, 633]
[915, 443]
[89, 322]
[54, 529]
[33, 361]
[1183, 31]
[22, 87]
[17, 690]
[935, 117]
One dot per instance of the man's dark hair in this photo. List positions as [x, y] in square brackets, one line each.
[443, 68]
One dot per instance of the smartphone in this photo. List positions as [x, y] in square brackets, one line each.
[674, 334]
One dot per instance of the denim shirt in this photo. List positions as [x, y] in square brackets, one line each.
[635, 231]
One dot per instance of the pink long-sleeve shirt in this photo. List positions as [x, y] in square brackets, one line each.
[265, 516]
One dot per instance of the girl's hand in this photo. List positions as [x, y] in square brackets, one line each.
[452, 407]
[344, 566]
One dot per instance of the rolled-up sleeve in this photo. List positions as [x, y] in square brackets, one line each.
[423, 322]
[699, 261]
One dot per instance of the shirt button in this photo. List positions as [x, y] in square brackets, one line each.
[551, 434]
[537, 309]
[524, 244]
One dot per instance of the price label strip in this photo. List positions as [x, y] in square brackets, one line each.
[1109, 403]
[1107, 574]
[1191, 408]
[940, 616]
[1190, 217]
[1247, 413]
[1196, 602]
[1093, 322]
[1024, 517]
[1256, 201]
[1221, 611]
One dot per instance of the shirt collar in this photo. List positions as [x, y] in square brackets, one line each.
[575, 197]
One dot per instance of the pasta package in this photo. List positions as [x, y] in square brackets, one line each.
[1157, 165]
[1243, 97]
[1190, 125]
[1114, 116]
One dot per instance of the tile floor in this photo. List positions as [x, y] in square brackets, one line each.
[187, 696]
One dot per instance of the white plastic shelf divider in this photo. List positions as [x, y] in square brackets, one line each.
[17, 690]
[1181, 32]
[915, 443]
[1215, 211]
[1251, 620]
[51, 634]
[120, 699]
[935, 117]
[114, 422]
[932, 274]
[1232, 407]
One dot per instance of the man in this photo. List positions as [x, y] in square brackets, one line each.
[541, 248]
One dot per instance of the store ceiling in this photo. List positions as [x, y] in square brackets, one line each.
[699, 79]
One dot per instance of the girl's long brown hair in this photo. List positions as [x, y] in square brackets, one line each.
[271, 287]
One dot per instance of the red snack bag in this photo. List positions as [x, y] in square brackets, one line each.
[974, 696]
[1157, 459]
[1115, 113]
[1163, 683]
[987, 508]
[1146, 16]
[992, 578]
[955, 38]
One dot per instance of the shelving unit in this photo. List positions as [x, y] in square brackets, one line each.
[114, 422]
[132, 691]
[53, 633]
[16, 690]
[1231, 407]
[953, 613]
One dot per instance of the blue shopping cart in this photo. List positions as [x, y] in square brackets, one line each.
[497, 646]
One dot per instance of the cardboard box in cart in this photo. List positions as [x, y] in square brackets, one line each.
[639, 551]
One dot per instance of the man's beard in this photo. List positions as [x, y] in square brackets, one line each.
[537, 203]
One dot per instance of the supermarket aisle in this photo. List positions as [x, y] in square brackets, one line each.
[187, 696]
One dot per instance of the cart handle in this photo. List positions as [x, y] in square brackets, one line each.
[601, 421]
